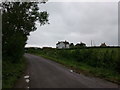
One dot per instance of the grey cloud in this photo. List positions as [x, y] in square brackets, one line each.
[78, 22]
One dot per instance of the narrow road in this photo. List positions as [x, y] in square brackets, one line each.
[45, 73]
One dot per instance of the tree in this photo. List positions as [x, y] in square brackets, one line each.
[80, 45]
[71, 45]
[18, 20]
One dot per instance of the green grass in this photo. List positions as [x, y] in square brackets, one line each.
[99, 62]
[88, 70]
[12, 72]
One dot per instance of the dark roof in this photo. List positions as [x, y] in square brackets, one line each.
[65, 42]
[103, 44]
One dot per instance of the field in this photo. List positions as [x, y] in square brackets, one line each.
[100, 62]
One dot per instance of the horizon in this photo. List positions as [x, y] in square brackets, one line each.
[69, 43]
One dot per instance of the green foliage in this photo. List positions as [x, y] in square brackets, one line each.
[80, 45]
[118, 60]
[18, 20]
[11, 72]
[71, 45]
[96, 57]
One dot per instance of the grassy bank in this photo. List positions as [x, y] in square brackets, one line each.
[12, 72]
[100, 62]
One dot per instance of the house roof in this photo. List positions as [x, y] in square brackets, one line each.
[65, 42]
[103, 44]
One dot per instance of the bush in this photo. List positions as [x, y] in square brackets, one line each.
[11, 72]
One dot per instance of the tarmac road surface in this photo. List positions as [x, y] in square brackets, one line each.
[44, 73]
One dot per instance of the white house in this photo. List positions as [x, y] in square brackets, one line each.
[62, 44]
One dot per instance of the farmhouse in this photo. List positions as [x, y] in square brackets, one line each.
[62, 44]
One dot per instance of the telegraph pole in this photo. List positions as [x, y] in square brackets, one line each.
[91, 43]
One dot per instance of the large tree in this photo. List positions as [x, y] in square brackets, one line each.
[18, 20]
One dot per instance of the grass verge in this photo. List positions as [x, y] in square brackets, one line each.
[12, 72]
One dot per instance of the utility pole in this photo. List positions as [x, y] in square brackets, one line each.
[91, 43]
[94, 43]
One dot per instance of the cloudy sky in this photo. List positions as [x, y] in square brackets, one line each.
[77, 22]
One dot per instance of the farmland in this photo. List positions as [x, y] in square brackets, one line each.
[100, 62]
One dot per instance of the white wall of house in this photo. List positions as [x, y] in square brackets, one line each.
[62, 45]
[67, 46]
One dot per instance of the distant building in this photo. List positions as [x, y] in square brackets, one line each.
[103, 45]
[62, 44]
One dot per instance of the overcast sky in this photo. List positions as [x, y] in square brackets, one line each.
[77, 22]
